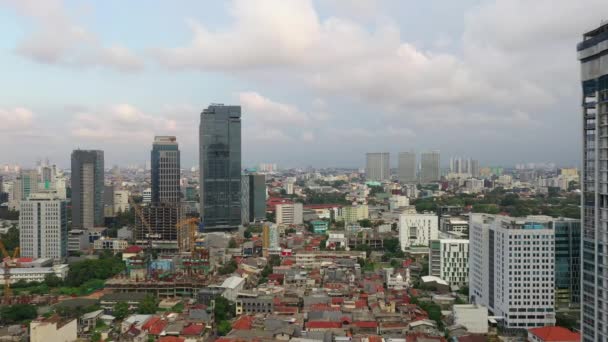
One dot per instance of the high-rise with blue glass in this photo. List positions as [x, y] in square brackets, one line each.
[593, 55]
[220, 167]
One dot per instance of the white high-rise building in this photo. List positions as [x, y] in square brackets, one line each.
[430, 167]
[43, 229]
[449, 260]
[407, 167]
[289, 213]
[512, 268]
[121, 201]
[378, 166]
[417, 229]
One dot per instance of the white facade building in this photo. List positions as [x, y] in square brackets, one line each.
[449, 260]
[43, 228]
[115, 245]
[121, 201]
[147, 195]
[417, 229]
[511, 268]
[398, 201]
[29, 274]
[471, 316]
[291, 213]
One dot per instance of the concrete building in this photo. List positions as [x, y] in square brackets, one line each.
[289, 213]
[474, 185]
[471, 316]
[378, 166]
[270, 237]
[253, 198]
[87, 189]
[111, 244]
[43, 227]
[121, 201]
[108, 201]
[430, 167]
[406, 168]
[417, 229]
[37, 274]
[353, 214]
[78, 240]
[319, 226]
[53, 329]
[458, 224]
[232, 286]
[220, 167]
[512, 268]
[592, 53]
[449, 260]
[147, 195]
[398, 201]
[25, 184]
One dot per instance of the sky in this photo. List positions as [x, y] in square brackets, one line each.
[320, 82]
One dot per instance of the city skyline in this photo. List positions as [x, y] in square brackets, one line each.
[115, 89]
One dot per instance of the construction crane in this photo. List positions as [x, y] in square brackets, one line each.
[186, 234]
[8, 263]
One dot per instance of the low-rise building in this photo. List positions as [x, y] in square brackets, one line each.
[38, 274]
[471, 316]
[553, 334]
[53, 329]
[319, 226]
[78, 240]
[254, 304]
[115, 245]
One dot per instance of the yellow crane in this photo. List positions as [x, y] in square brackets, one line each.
[8, 263]
[186, 234]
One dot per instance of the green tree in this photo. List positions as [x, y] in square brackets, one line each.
[223, 309]
[148, 306]
[10, 239]
[103, 268]
[232, 243]
[17, 313]
[51, 280]
[247, 234]
[223, 328]
[228, 268]
[96, 336]
[365, 223]
[120, 310]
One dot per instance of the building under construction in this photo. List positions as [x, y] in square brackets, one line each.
[159, 225]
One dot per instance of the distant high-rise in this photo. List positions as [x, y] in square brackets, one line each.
[429, 167]
[593, 54]
[164, 211]
[253, 198]
[474, 168]
[87, 189]
[407, 167]
[378, 166]
[165, 163]
[220, 167]
[43, 226]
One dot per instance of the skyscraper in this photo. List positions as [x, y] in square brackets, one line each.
[220, 166]
[87, 188]
[165, 165]
[164, 211]
[43, 226]
[407, 167]
[253, 197]
[429, 167]
[378, 166]
[593, 55]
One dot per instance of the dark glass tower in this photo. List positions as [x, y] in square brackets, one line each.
[220, 167]
[165, 164]
[593, 55]
[87, 189]
[253, 198]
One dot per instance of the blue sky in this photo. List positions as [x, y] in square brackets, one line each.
[321, 82]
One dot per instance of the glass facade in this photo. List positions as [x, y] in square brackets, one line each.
[87, 188]
[220, 167]
[593, 55]
[567, 262]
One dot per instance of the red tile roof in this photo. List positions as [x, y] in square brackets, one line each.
[323, 325]
[133, 249]
[171, 339]
[374, 338]
[158, 328]
[243, 323]
[555, 334]
[366, 324]
[194, 329]
[149, 323]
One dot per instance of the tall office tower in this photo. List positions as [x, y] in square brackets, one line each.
[429, 167]
[165, 163]
[407, 167]
[253, 198]
[474, 168]
[28, 183]
[593, 54]
[108, 201]
[378, 166]
[87, 189]
[220, 167]
[43, 226]
[512, 268]
[164, 211]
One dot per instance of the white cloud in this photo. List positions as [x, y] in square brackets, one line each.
[262, 110]
[56, 39]
[15, 120]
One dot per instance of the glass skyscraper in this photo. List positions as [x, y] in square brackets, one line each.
[87, 189]
[165, 167]
[593, 55]
[567, 262]
[220, 167]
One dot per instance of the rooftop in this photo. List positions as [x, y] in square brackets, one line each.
[555, 333]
